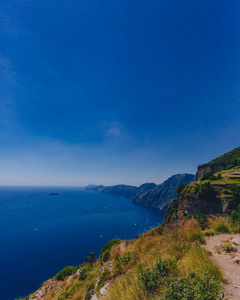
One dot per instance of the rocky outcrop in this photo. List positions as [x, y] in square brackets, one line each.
[226, 161]
[207, 197]
[161, 196]
[148, 194]
[209, 168]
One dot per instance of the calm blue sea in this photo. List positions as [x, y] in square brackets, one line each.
[41, 234]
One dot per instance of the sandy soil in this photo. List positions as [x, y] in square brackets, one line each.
[228, 262]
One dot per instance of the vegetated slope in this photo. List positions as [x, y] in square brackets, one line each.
[226, 161]
[163, 264]
[163, 194]
[166, 263]
[214, 194]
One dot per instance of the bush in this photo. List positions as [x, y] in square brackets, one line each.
[206, 176]
[197, 188]
[83, 274]
[152, 280]
[202, 220]
[208, 232]
[235, 191]
[193, 287]
[67, 271]
[208, 193]
[235, 215]
[180, 188]
[228, 247]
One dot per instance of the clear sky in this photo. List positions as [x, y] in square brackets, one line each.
[116, 91]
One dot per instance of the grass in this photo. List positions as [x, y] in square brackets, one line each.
[158, 265]
[178, 253]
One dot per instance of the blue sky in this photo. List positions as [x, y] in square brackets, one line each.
[116, 91]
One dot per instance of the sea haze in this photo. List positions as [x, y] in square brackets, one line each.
[41, 234]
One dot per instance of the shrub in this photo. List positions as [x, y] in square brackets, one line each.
[83, 274]
[67, 271]
[228, 247]
[208, 232]
[208, 192]
[202, 220]
[180, 188]
[206, 176]
[235, 215]
[193, 287]
[152, 280]
[197, 188]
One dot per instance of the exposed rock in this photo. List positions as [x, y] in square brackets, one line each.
[103, 290]
[91, 258]
[210, 168]
[163, 194]
[148, 194]
[226, 161]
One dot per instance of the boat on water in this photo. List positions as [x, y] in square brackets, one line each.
[53, 194]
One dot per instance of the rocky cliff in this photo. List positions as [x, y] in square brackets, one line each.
[224, 162]
[162, 195]
[219, 194]
[148, 194]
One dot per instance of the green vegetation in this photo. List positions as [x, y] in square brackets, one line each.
[68, 293]
[228, 247]
[228, 160]
[180, 188]
[193, 287]
[211, 177]
[90, 291]
[83, 274]
[103, 278]
[155, 278]
[67, 271]
[108, 246]
[172, 210]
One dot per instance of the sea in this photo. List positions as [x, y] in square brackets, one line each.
[40, 234]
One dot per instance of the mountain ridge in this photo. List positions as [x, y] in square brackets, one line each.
[148, 194]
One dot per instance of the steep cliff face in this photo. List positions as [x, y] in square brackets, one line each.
[162, 195]
[226, 161]
[207, 197]
[209, 168]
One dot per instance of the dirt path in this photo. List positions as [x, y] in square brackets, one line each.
[229, 262]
